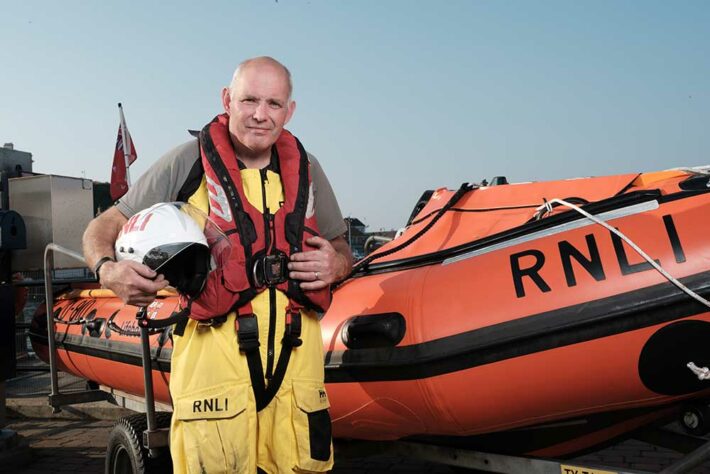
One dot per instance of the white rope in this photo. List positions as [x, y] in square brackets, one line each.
[703, 373]
[643, 254]
[548, 205]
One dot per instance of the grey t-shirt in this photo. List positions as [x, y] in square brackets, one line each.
[164, 179]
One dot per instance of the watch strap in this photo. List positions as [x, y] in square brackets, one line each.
[99, 264]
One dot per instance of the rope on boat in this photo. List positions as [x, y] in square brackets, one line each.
[74, 322]
[123, 332]
[638, 250]
[703, 373]
[116, 328]
[365, 262]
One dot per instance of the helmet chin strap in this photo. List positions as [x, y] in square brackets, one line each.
[174, 318]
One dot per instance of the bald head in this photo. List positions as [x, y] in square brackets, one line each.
[258, 103]
[265, 63]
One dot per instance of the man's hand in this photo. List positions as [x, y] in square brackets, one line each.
[133, 282]
[330, 262]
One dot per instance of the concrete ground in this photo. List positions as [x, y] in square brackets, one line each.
[75, 440]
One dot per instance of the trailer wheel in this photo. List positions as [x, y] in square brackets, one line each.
[125, 453]
[695, 419]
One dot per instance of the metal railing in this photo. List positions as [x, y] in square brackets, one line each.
[153, 437]
[57, 399]
[23, 353]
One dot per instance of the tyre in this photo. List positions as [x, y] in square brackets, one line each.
[125, 453]
[695, 419]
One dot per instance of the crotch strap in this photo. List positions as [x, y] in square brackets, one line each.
[248, 339]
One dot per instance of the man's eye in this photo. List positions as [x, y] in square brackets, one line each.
[248, 101]
[274, 105]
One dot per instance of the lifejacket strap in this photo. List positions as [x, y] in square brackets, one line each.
[292, 334]
[248, 334]
[181, 323]
[248, 339]
[212, 322]
[279, 371]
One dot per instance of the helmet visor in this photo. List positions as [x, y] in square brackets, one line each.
[219, 244]
[159, 256]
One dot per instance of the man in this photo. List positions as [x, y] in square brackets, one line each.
[273, 405]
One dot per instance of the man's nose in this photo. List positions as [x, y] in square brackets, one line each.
[260, 112]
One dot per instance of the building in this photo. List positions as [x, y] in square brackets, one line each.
[15, 162]
[362, 242]
[356, 236]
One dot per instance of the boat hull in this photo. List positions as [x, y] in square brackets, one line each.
[496, 324]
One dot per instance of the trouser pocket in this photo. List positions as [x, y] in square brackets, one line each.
[210, 432]
[311, 423]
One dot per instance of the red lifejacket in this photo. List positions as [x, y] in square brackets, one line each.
[232, 286]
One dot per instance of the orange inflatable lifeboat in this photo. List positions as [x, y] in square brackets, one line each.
[540, 318]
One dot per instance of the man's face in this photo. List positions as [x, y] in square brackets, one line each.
[258, 106]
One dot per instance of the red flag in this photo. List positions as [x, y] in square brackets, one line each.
[120, 178]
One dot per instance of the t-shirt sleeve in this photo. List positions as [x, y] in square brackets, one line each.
[162, 181]
[330, 219]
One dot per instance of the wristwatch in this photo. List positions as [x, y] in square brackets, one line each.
[99, 264]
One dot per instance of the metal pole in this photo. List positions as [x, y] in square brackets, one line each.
[126, 144]
[147, 374]
[350, 234]
[690, 461]
[49, 301]
[5, 184]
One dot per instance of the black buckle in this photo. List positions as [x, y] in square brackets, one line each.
[247, 333]
[216, 322]
[292, 335]
[270, 270]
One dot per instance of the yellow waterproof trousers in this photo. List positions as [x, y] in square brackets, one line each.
[215, 426]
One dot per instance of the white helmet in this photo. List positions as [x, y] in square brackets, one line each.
[167, 239]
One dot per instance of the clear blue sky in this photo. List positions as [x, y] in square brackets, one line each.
[394, 97]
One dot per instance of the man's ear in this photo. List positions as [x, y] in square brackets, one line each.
[226, 99]
[291, 110]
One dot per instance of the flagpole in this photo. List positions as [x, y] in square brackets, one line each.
[126, 145]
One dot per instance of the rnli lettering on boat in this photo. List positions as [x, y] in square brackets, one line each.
[130, 326]
[528, 263]
[210, 405]
[78, 310]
